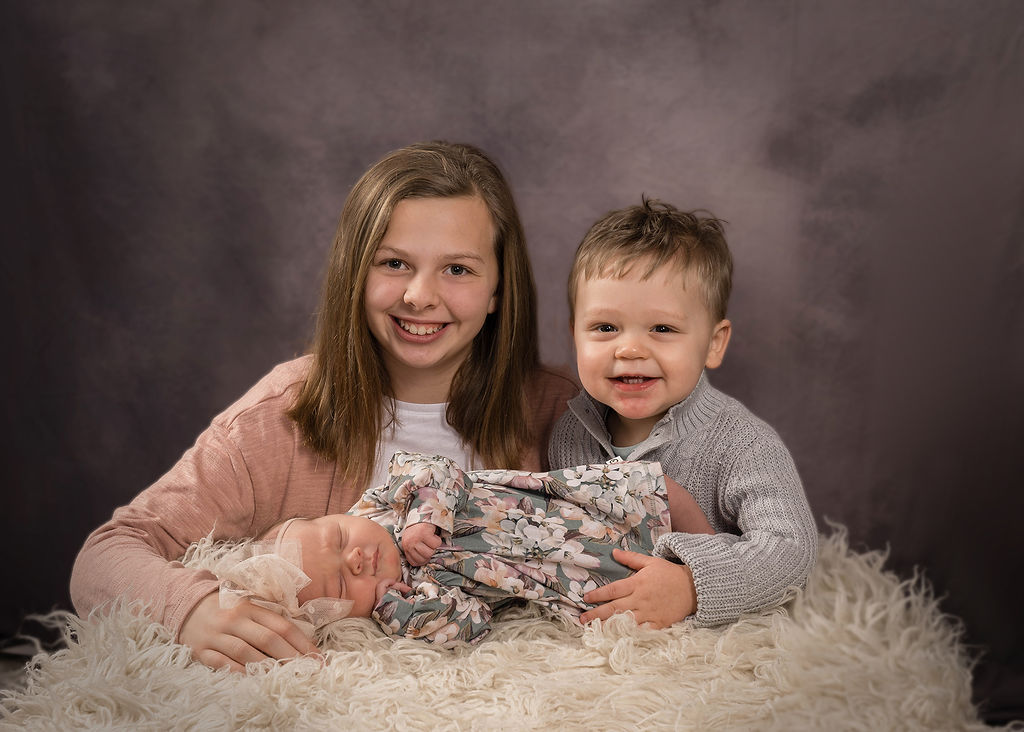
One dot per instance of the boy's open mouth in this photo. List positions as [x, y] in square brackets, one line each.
[419, 328]
[632, 380]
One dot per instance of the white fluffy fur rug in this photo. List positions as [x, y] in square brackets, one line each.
[859, 649]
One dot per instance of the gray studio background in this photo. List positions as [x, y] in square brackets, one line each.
[176, 170]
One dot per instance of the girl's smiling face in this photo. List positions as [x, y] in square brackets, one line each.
[346, 557]
[433, 282]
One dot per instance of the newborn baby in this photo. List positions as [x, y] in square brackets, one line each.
[435, 551]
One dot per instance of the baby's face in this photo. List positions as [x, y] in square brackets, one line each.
[346, 557]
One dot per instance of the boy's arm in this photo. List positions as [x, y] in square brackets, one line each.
[760, 494]
[443, 615]
[660, 593]
[687, 516]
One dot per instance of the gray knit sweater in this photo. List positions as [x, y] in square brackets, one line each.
[743, 478]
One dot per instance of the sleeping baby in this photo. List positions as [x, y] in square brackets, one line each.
[437, 550]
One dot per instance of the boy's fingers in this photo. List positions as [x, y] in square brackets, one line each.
[611, 591]
[605, 611]
[633, 560]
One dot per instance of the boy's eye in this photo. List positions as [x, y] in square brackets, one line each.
[605, 328]
[662, 329]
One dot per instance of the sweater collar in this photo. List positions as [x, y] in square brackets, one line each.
[682, 419]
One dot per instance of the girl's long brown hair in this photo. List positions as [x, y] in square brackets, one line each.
[341, 409]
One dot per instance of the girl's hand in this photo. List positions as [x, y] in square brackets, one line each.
[419, 542]
[233, 637]
[660, 593]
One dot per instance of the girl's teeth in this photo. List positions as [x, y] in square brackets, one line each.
[419, 329]
[634, 379]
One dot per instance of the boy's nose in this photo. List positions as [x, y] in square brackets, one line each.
[630, 350]
[421, 292]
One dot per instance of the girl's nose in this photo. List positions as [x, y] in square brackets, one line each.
[421, 292]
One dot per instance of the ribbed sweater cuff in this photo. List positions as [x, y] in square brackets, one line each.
[717, 575]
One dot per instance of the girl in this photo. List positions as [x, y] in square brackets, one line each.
[426, 341]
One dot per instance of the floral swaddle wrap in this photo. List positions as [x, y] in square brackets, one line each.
[507, 534]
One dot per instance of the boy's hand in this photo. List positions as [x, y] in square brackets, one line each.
[419, 542]
[660, 593]
[233, 637]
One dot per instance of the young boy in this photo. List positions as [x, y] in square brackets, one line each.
[648, 293]
[470, 542]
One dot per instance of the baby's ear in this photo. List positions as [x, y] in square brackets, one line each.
[720, 335]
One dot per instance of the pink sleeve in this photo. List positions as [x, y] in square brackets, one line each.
[246, 472]
[131, 556]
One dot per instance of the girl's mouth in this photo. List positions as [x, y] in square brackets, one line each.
[419, 329]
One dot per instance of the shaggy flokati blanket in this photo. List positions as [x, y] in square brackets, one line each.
[858, 649]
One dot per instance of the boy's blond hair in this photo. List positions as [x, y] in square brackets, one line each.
[657, 233]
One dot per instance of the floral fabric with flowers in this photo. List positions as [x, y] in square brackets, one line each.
[507, 535]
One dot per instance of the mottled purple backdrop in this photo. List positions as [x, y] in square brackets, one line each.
[176, 170]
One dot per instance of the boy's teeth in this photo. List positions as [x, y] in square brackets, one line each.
[416, 329]
[634, 379]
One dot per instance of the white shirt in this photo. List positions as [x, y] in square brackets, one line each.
[420, 428]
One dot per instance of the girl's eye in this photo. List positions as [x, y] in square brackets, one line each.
[458, 270]
[393, 263]
[662, 329]
[605, 328]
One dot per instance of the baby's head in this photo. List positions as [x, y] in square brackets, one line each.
[345, 557]
[648, 294]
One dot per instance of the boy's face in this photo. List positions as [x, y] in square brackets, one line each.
[346, 557]
[641, 345]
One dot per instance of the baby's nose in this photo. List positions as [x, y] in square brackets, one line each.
[355, 560]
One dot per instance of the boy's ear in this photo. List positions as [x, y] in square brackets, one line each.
[719, 342]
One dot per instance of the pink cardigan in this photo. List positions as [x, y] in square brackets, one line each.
[249, 470]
